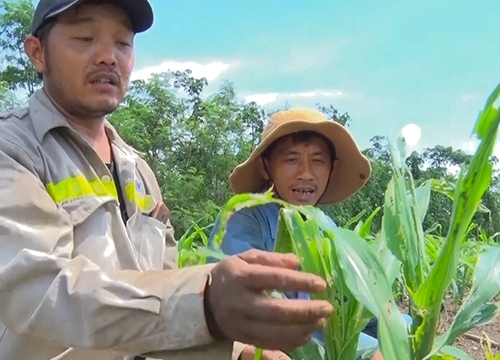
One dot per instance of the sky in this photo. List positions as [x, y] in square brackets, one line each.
[387, 63]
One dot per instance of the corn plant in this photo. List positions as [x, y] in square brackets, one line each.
[360, 274]
[189, 243]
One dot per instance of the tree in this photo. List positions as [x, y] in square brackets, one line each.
[15, 26]
[8, 99]
[332, 113]
[192, 143]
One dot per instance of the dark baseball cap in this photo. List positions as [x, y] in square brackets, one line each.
[139, 12]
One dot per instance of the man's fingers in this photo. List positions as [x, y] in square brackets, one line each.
[257, 257]
[267, 278]
[283, 311]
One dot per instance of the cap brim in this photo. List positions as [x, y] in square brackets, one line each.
[139, 11]
[351, 169]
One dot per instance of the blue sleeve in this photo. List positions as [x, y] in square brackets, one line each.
[333, 222]
[243, 233]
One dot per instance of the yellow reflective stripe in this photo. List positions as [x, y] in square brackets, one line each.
[145, 203]
[78, 186]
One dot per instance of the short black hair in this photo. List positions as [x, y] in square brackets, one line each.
[301, 137]
[43, 33]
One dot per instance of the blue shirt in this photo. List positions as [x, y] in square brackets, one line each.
[250, 228]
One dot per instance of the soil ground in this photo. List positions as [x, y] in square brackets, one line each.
[472, 347]
[470, 342]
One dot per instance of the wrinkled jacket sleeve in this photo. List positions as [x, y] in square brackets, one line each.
[242, 233]
[47, 294]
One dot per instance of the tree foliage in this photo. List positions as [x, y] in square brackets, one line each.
[15, 25]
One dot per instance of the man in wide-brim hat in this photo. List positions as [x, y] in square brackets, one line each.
[312, 151]
[305, 159]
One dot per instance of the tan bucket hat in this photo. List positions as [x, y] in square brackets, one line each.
[351, 170]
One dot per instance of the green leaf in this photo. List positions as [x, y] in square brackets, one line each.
[365, 228]
[313, 350]
[423, 196]
[392, 265]
[206, 252]
[451, 353]
[365, 277]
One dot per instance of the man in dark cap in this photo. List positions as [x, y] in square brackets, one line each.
[88, 257]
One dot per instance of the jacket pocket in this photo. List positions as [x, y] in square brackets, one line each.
[95, 232]
[151, 245]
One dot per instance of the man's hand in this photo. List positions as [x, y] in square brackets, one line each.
[248, 353]
[242, 312]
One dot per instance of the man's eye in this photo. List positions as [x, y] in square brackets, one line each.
[123, 43]
[86, 39]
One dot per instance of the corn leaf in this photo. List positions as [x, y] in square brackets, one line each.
[363, 228]
[354, 272]
[204, 252]
[451, 353]
[317, 255]
[403, 230]
[448, 189]
[355, 219]
[422, 198]
[366, 278]
[392, 265]
[187, 257]
[313, 350]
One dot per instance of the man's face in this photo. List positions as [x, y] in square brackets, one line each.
[88, 58]
[300, 170]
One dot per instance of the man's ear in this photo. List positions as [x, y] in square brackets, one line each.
[34, 49]
[261, 167]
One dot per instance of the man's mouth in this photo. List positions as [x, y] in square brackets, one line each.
[111, 79]
[102, 81]
[303, 191]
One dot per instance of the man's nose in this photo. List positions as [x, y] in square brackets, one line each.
[305, 171]
[106, 53]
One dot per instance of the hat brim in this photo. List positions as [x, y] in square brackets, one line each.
[139, 11]
[350, 173]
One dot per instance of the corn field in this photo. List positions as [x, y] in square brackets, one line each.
[368, 275]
